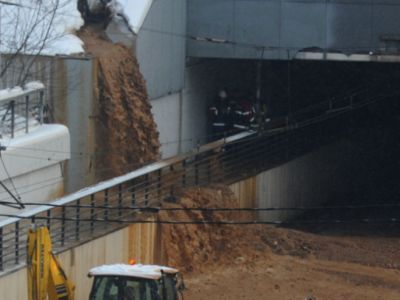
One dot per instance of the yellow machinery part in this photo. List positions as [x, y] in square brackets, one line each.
[45, 275]
[60, 287]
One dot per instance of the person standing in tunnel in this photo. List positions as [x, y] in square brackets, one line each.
[220, 115]
[244, 114]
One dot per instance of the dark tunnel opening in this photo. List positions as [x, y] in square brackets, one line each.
[365, 168]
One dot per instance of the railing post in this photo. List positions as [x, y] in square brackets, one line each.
[209, 170]
[133, 194]
[27, 114]
[63, 213]
[41, 106]
[146, 190]
[78, 219]
[120, 200]
[196, 170]
[16, 241]
[48, 221]
[172, 188]
[12, 103]
[106, 206]
[92, 214]
[1, 250]
[184, 173]
[159, 184]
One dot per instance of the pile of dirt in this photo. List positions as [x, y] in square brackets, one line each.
[126, 128]
[268, 262]
[199, 247]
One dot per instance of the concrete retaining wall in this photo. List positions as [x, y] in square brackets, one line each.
[138, 241]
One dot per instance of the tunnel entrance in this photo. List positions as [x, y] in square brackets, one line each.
[362, 168]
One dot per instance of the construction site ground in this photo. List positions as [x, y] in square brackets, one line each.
[342, 261]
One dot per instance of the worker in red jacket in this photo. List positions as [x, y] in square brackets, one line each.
[244, 115]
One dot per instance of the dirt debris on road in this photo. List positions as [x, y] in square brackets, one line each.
[266, 262]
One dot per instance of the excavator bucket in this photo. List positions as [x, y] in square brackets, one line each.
[46, 278]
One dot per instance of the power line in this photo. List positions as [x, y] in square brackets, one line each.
[16, 197]
[206, 222]
[11, 4]
[79, 154]
[56, 179]
[214, 209]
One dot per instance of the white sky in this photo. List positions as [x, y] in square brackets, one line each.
[135, 11]
[31, 18]
[30, 22]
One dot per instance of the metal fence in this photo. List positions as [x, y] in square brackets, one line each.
[20, 110]
[107, 206]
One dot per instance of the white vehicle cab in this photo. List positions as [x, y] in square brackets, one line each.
[144, 282]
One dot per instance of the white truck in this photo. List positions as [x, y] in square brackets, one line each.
[144, 282]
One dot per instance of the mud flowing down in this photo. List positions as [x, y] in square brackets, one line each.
[127, 136]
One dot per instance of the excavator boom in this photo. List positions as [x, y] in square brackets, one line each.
[46, 277]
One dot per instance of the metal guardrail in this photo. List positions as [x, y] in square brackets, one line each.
[20, 110]
[95, 211]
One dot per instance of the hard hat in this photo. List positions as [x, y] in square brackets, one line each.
[222, 94]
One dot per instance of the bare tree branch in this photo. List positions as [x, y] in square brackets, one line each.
[29, 30]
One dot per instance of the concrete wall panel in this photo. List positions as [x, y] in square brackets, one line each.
[160, 47]
[182, 117]
[246, 192]
[289, 25]
[302, 24]
[166, 112]
[79, 114]
[349, 26]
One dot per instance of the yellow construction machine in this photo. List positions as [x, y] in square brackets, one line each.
[47, 280]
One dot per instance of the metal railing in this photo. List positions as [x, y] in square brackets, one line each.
[109, 205]
[21, 110]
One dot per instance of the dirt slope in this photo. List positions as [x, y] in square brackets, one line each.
[126, 128]
[265, 262]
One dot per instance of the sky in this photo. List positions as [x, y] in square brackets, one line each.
[25, 25]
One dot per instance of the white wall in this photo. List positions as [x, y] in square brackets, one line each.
[34, 163]
[45, 146]
[161, 47]
[40, 186]
[166, 112]
[182, 117]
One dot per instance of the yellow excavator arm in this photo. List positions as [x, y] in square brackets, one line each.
[46, 277]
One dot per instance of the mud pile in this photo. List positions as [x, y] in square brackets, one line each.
[201, 247]
[126, 132]
[206, 248]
